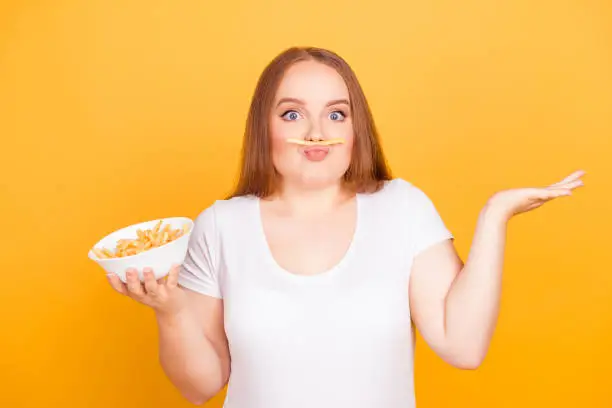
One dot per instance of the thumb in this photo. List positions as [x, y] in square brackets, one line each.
[172, 280]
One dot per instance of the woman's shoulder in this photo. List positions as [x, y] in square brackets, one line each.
[397, 188]
[223, 213]
[234, 205]
[227, 207]
[399, 192]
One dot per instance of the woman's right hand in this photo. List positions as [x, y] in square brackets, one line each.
[163, 295]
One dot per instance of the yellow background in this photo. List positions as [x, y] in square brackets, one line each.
[114, 112]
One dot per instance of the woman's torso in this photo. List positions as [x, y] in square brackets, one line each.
[340, 338]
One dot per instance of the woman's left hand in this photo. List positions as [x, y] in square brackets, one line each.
[509, 203]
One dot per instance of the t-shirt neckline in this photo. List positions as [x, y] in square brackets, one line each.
[327, 274]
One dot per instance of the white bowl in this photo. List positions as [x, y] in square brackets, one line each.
[160, 259]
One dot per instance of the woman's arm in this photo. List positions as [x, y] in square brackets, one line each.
[455, 306]
[193, 348]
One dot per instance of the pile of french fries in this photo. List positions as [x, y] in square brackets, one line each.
[147, 239]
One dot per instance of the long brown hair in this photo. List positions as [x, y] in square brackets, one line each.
[368, 169]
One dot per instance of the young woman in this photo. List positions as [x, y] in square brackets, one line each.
[302, 288]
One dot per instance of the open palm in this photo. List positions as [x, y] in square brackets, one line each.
[519, 200]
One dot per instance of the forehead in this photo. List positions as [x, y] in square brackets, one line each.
[312, 82]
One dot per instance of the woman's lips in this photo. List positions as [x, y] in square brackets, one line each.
[315, 153]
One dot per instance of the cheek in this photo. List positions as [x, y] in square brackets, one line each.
[281, 130]
[346, 152]
[333, 130]
[281, 150]
[347, 133]
[278, 138]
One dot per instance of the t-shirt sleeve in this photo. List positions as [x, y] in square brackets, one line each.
[426, 224]
[200, 269]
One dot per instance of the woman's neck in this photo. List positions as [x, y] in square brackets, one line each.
[297, 201]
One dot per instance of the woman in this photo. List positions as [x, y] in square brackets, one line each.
[306, 282]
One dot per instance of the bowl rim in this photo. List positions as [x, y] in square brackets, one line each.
[93, 256]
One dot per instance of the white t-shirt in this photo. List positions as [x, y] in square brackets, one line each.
[342, 338]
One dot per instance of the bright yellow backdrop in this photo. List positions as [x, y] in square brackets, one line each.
[114, 112]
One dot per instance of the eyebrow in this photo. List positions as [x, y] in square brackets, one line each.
[301, 102]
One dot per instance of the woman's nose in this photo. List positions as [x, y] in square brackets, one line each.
[314, 132]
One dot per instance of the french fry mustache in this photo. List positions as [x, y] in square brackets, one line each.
[328, 142]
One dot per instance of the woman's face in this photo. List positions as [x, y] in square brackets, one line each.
[312, 103]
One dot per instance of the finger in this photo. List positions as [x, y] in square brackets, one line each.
[551, 193]
[572, 185]
[116, 284]
[173, 276]
[150, 283]
[134, 286]
[572, 177]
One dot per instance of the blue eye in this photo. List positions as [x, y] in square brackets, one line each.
[291, 115]
[336, 116]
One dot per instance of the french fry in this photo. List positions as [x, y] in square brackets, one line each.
[315, 143]
[145, 240]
